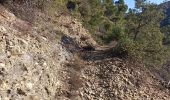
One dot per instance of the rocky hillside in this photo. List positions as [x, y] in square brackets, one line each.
[55, 59]
[32, 64]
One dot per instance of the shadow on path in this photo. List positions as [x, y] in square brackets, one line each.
[97, 54]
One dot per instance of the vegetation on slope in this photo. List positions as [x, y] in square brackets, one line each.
[60, 73]
[137, 31]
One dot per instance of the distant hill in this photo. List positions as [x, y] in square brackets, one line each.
[166, 7]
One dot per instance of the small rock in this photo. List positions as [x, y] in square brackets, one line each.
[34, 97]
[2, 29]
[29, 85]
[2, 64]
[44, 64]
[6, 98]
[36, 63]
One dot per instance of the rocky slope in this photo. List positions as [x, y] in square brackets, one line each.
[32, 62]
[29, 62]
[116, 79]
[45, 61]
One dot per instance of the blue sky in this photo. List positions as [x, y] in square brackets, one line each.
[131, 4]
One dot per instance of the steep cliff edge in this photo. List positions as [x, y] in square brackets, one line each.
[43, 62]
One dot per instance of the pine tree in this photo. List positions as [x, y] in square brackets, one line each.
[143, 28]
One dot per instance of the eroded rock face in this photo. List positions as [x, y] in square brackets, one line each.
[29, 62]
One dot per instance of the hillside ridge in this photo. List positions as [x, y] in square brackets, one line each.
[45, 61]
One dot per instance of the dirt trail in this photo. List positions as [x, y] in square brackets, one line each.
[36, 66]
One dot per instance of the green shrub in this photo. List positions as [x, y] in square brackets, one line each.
[95, 20]
[151, 54]
[128, 48]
